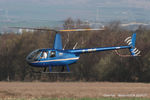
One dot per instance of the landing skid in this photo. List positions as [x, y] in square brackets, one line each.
[41, 72]
[56, 72]
[45, 71]
[53, 76]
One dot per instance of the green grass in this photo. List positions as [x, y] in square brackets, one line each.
[99, 99]
[80, 99]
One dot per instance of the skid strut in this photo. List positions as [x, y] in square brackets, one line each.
[62, 70]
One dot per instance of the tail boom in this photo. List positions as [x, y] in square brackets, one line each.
[90, 50]
[131, 46]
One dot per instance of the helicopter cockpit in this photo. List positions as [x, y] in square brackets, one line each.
[40, 54]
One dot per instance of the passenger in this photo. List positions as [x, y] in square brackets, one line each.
[44, 55]
[52, 54]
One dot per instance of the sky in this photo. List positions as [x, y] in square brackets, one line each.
[82, 9]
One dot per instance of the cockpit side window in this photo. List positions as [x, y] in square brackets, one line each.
[34, 56]
[53, 54]
[37, 56]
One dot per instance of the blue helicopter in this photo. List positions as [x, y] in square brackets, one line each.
[57, 56]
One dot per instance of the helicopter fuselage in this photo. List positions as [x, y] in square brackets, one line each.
[53, 58]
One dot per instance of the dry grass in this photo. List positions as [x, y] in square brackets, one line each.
[72, 90]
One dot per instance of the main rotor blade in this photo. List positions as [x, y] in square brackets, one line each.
[44, 29]
[68, 30]
[76, 30]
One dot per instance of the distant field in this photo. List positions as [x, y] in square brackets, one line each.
[82, 90]
[84, 99]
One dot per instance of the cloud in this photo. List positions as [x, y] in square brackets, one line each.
[53, 2]
[129, 3]
[62, 8]
[144, 4]
[139, 3]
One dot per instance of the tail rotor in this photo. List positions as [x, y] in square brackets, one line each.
[131, 42]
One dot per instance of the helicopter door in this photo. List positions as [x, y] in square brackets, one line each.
[53, 54]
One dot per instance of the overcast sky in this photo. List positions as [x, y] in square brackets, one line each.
[83, 9]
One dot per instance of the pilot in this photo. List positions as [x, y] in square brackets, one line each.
[44, 55]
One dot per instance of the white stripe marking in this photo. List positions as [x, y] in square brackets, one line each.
[128, 41]
[138, 53]
[127, 38]
[118, 47]
[57, 60]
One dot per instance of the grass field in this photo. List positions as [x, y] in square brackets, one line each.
[75, 90]
[77, 99]
[83, 99]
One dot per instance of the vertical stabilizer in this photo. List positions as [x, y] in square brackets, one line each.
[131, 41]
